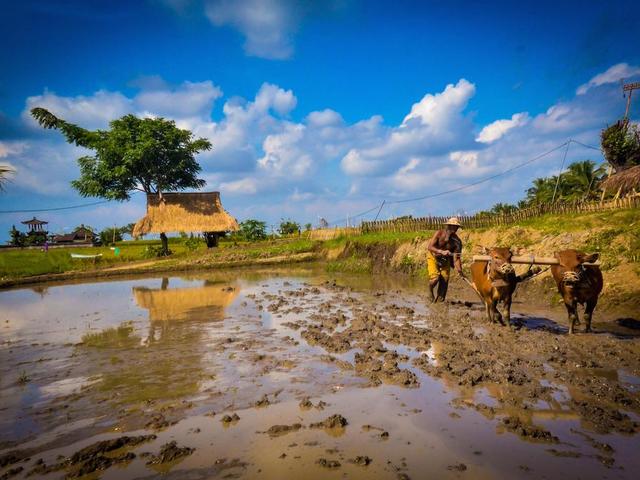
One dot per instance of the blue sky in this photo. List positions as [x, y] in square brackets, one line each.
[316, 108]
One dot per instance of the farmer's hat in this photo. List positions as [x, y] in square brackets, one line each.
[453, 221]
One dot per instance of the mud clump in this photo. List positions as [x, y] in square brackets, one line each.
[279, 430]
[12, 472]
[170, 452]
[530, 432]
[10, 458]
[99, 463]
[605, 420]
[306, 404]
[334, 421]
[228, 419]
[387, 370]
[362, 460]
[263, 402]
[331, 464]
[460, 467]
[159, 422]
[336, 343]
[106, 446]
[93, 458]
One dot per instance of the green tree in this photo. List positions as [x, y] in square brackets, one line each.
[503, 208]
[541, 191]
[127, 229]
[621, 144]
[308, 226]
[110, 235]
[288, 227]
[17, 237]
[253, 230]
[581, 180]
[151, 155]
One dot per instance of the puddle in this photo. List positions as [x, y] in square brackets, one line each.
[424, 389]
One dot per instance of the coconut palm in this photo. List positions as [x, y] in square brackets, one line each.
[541, 191]
[581, 180]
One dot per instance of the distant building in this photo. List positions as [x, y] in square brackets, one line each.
[81, 235]
[186, 212]
[35, 225]
[37, 234]
[625, 181]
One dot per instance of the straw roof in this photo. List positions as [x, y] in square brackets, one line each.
[625, 180]
[206, 303]
[185, 212]
[34, 221]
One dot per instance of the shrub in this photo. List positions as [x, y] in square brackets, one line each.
[288, 227]
[253, 230]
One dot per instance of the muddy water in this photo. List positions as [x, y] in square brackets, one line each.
[236, 367]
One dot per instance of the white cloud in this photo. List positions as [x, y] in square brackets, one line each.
[11, 148]
[441, 109]
[267, 25]
[322, 164]
[246, 186]
[493, 131]
[95, 111]
[612, 75]
[434, 125]
[187, 100]
[465, 159]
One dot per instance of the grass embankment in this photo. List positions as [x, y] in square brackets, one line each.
[134, 256]
[615, 234]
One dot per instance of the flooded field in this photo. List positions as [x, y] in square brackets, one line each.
[298, 373]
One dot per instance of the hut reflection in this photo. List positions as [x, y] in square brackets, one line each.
[201, 304]
[169, 363]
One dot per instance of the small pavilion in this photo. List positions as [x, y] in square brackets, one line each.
[36, 226]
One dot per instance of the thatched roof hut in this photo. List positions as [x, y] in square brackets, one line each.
[626, 181]
[185, 212]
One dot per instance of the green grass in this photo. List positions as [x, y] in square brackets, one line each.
[621, 226]
[378, 237]
[555, 224]
[29, 262]
[352, 264]
[120, 336]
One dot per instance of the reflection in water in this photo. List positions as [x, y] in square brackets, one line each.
[155, 351]
[205, 303]
[171, 364]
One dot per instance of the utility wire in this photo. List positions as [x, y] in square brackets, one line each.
[485, 179]
[472, 184]
[36, 210]
[586, 146]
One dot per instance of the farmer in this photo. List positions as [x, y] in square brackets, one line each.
[445, 248]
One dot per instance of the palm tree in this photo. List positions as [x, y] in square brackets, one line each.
[541, 191]
[581, 179]
[5, 171]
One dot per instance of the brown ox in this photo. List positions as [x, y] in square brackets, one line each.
[496, 280]
[578, 284]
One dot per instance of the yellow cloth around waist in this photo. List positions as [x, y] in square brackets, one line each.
[437, 269]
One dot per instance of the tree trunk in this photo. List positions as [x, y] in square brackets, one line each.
[211, 238]
[165, 244]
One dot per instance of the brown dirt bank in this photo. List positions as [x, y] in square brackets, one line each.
[620, 267]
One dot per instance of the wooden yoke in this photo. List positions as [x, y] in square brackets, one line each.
[529, 260]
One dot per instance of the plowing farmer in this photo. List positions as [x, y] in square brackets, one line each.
[445, 248]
